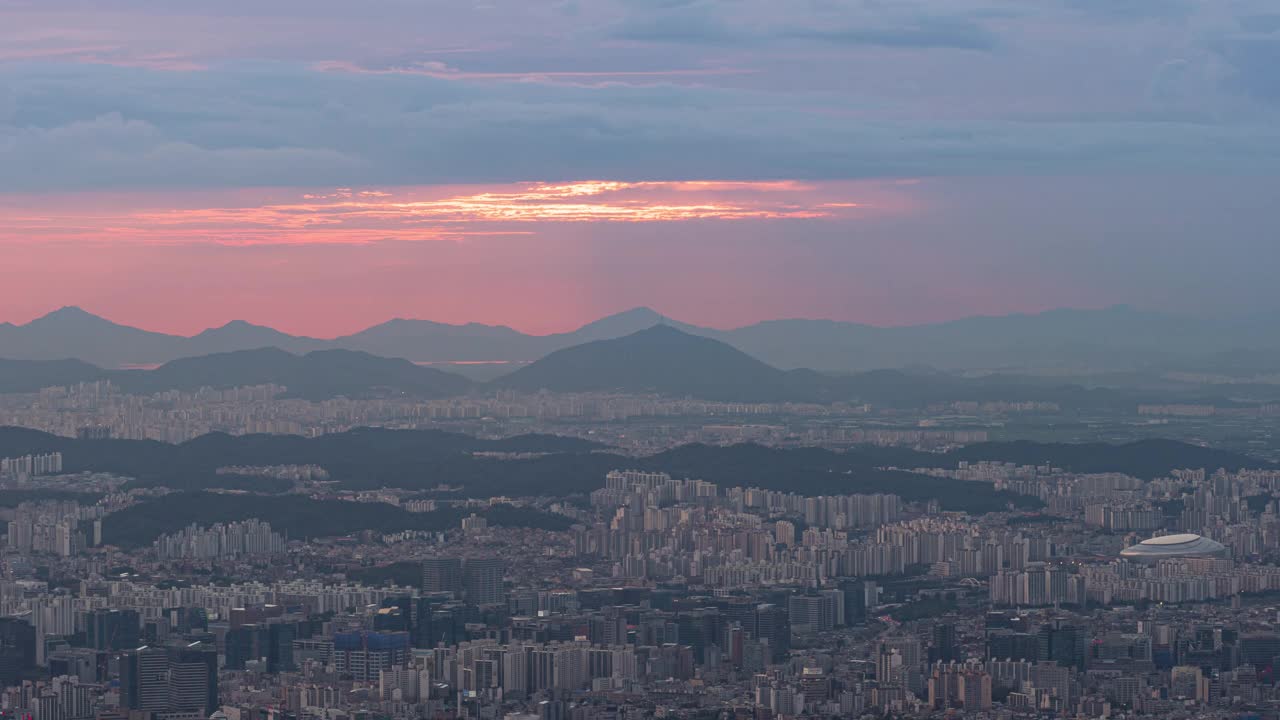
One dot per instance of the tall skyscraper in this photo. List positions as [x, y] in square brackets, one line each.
[193, 678]
[441, 575]
[482, 578]
[812, 613]
[244, 644]
[773, 627]
[182, 677]
[113, 630]
[855, 601]
[144, 679]
[944, 643]
[17, 649]
[1063, 644]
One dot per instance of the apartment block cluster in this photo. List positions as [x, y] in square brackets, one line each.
[18, 468]
[53, 527]
[102, 410]
[656, 528]
[231, 540]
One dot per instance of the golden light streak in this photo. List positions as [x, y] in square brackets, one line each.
[359, 216]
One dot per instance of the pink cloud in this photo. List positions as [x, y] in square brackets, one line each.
[362, 216]
[540, 256]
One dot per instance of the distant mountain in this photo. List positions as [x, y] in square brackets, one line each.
[659, 359]
[668, 361]
[318, 375]
[426, 341]
[73, 333]
[625, 323]
[1117, 338]
[240, 335]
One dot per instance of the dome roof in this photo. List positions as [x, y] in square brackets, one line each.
[1175, 546]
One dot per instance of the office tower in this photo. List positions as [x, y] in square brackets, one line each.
[1063, 644]
[245, 644]
[422, 611]
[193, 678]
[700, 629]
[17, 649]
[84, 664]
[113, 630]
[144, 679]
[838, 606]
[182, 677]
[944, 643]
[773, 627]
[1259, 649]
[183, 621]
[280, 637]
[482, 578]
[855, 601]
[441, 575]
[811, 614]
[1005, 644]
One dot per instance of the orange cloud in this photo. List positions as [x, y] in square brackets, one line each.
[361, 216]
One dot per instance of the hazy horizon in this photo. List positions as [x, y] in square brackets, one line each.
[576, 324]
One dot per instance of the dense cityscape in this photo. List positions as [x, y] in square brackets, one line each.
[630, 359]
[1031, 590]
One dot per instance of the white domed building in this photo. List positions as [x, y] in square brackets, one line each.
[1182, 545]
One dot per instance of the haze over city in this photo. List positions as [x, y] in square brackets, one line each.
[628, 359]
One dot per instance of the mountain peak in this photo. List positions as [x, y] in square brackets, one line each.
[239, 326]
[658, 358]
[620, 324]
[641, 314]
[69, 314]
[662, 331]
[640, 310]
[69, 311]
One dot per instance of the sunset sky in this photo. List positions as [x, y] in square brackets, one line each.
[320, 166]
